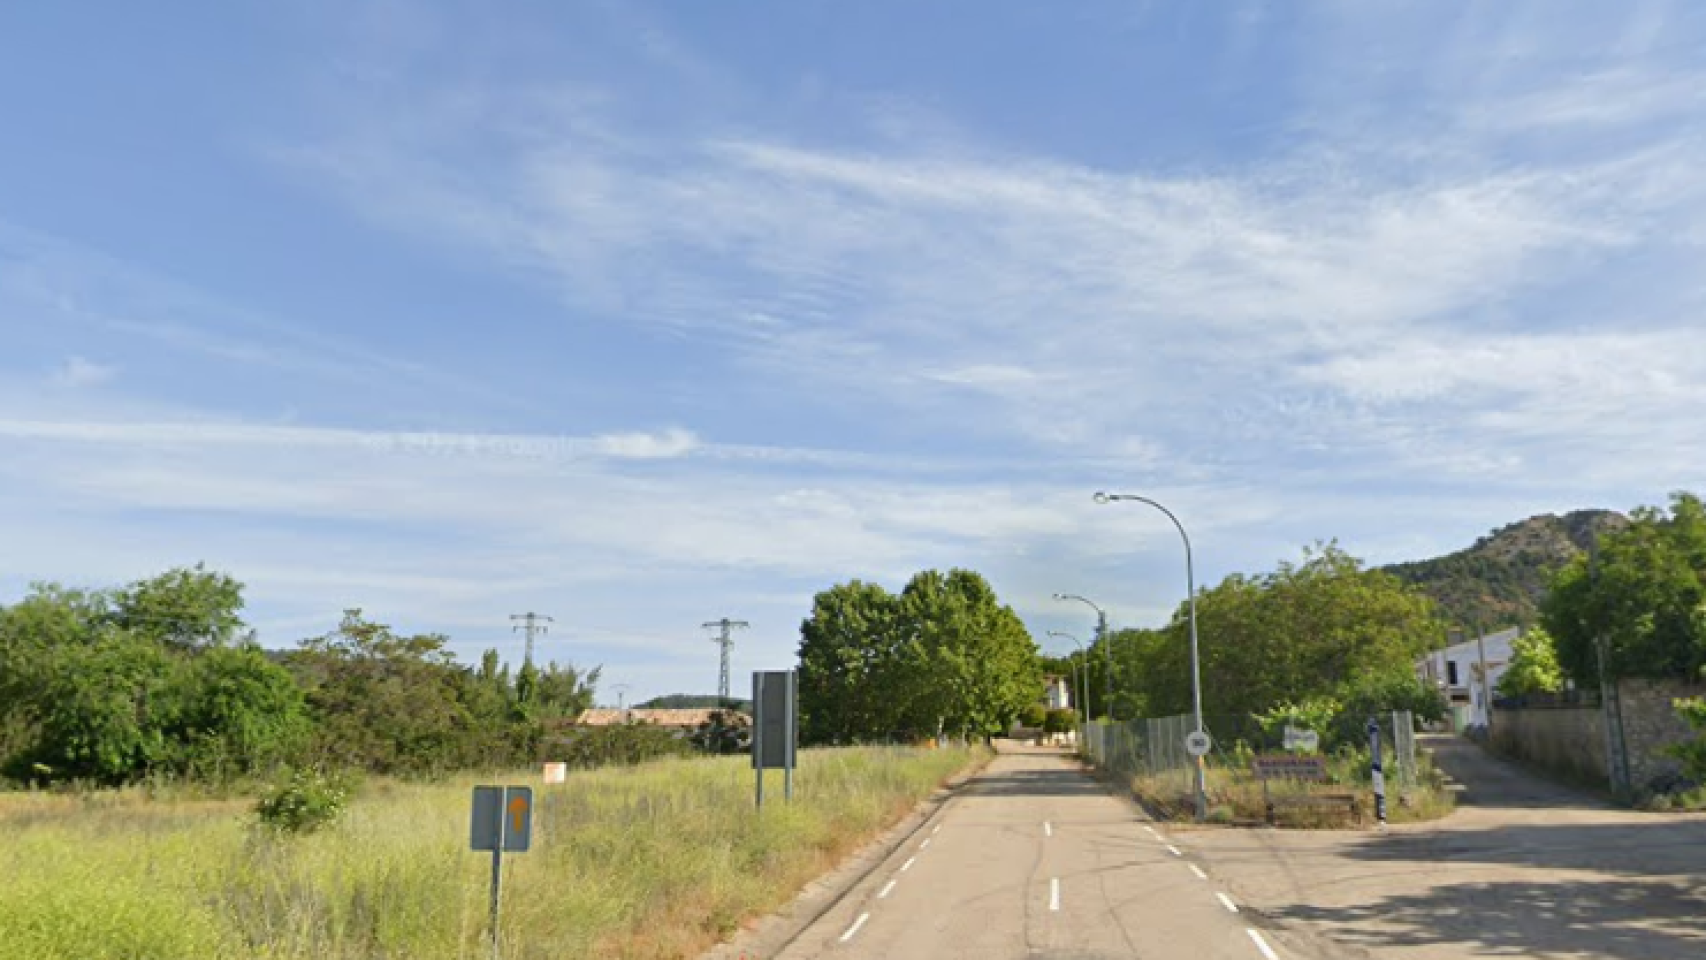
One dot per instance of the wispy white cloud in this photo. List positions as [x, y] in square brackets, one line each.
[82, 372]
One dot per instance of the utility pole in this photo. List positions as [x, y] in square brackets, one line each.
[1610, 697]
[1108, 655]
[727, 642]
[621, 699]
[531, 623]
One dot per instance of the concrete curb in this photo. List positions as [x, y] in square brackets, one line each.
[772, 934]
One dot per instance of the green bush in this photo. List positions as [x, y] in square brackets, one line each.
[1060, 721]
[305, 801]
[623, 744]
[1033, 716]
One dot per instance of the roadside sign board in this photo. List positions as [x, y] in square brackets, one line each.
[774, 707]
[503, 819]
[1287, 766]
[556, 772]
[1298, 739]
[1198, 743]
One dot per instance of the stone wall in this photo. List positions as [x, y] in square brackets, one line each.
[1570, 741]
[1650, 724]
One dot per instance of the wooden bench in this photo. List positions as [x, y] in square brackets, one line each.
[1302, 768]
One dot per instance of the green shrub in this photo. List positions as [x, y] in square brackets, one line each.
[305, 801]
[1033, 716]
[1060, 721]
[623, 744]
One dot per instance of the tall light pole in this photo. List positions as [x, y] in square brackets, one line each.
[1079, 676]
[1196, 669]
[1107, 648]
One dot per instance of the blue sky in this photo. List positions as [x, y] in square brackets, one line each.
[641, 315]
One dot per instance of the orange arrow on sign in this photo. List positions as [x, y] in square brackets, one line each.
[517, 813]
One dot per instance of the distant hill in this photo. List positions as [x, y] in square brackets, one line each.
[1499, 581]
[693, 701]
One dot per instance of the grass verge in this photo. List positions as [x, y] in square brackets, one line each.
[649, 862]
[1235, 796]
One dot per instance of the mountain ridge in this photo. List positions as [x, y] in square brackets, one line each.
[1499, 581]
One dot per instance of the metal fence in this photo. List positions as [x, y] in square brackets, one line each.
[1155, 748]
[1143, 748]
[1404, 748]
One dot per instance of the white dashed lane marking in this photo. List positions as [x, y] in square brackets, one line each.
[1054, 893]
[1262, 945]
[887, 889]
[1198, 871]
[1226, 902]
[859, 923]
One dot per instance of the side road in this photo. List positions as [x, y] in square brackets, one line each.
[1523, 868]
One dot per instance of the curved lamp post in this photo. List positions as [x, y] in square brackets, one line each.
[1107, 650]
[1079, 675]
[1196, 670]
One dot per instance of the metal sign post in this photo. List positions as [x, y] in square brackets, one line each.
[775, 712]
[502, 822]
[1378, 773]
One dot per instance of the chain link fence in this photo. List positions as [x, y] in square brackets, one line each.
[1155, 747]
[1150, 748]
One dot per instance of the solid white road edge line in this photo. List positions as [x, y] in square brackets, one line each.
[1198, 871]
[1054, 893]
[866, 916]
[1226, 902]
[887, 889]
[1261, 944]
[1174, 850]
[908, 864]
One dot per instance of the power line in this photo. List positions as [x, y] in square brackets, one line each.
[531, 624]
[727, 641]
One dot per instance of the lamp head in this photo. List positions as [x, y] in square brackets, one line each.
[1101, 497]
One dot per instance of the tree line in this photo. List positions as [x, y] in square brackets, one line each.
[1324, 638]
[162, 678]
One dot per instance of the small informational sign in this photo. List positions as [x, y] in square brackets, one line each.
[503, 819]
[556, 772]
[1288, 766]
[774, 711]
[1198, 743]
[1300, 739]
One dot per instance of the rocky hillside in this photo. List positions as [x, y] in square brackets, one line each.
[1499, 581]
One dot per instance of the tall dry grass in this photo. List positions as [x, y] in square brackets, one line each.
[649, 862]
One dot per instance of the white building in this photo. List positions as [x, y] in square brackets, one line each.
[1457, 672]
[1058, 694]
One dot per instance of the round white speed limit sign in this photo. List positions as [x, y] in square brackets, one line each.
[1198, 743]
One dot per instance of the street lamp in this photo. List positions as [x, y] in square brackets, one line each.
[1107, 645]
[1196, 669]
[1080, 676]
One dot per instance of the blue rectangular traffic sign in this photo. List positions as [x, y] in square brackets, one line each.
[503, 819]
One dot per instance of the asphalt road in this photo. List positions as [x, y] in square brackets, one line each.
[1524, 868]
[1033, 859]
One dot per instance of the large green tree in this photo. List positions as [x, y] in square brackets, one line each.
[184, 609]
[1641, 598]
[383, 701]
[1311, 629]
[943, 656]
